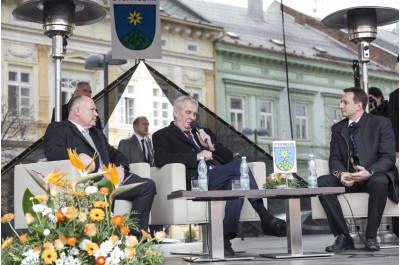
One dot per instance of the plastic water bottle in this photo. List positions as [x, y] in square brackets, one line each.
[312, 174]
[202, 170]
[244, 174]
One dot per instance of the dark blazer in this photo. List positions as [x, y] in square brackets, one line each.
[65, 112]
[394, 114]
[171, 145]
[62, 135]
[376, 149]
[132, 149]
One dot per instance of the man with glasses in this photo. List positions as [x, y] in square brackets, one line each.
[179, 143]
[363, 159]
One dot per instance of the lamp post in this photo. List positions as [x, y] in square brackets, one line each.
[101, 62]
[362, 23]
[59, 18]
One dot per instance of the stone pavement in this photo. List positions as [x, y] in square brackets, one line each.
[268, 245]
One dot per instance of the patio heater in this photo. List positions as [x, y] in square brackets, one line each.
[59, 18]
[362, 23]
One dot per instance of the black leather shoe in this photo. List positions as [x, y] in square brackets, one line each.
[372, 245]
[342, 242]
[276, 227]
[228, 250]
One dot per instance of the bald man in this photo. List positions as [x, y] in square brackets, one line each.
[73, 133]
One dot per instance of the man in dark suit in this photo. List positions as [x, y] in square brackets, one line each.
[362, 158]
[81, 89]
[173, 144]
[137, 148]
[72, 133]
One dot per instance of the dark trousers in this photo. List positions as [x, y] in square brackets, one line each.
[142, 199]
[377, 186]
[220, 178]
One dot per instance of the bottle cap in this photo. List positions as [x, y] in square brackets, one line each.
[201, 157]
[310, 156]
[243, 157]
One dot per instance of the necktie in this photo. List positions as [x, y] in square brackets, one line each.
[144, 151]
[189, 135]
[86, 134]
[353, 146]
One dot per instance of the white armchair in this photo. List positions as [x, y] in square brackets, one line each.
[172, 177]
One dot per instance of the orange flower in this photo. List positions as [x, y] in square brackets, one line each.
[131, 241]
[124, 230]
[111, 173]
[114, 239]
[8, 217]
[104, 191]
[48, 245]
[130, 254]
[117, 219]
[78, 194]
[58, 244]
[82, 216]
[71, 240]
[90, 229]
[74, 159]
[23, 238]
[49, 256]
[63, 239]
[91, 247]
[97, 214]
[145, 234]
[101, 260]
[37, 248]
[7, 242]
[56, 178]
[71, 212]
[60, 216]
[100, 204]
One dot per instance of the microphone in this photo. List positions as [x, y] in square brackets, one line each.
[195, 126]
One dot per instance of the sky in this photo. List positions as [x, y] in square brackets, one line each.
[320, 8]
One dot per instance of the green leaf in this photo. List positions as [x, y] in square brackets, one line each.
[38, 178]
[88, 177]
[123, 189]
[27, 203]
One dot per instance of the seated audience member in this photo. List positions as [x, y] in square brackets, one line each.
[378, 104]
[78, 132]
[362, 158]
[137, 148]
[178, 143]
[81, 89]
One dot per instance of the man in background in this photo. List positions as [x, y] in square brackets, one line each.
[378, 105]
[137, 148]
[81, 89]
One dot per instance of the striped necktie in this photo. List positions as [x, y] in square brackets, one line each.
[144, 151]
[86, 134]
[353, 146]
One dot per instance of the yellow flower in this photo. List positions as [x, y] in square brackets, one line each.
[78, 194]
[49, 256]
[146, 235]
[97, 214]
[130, 253]
[91, 247]
[100, 204]
[8, 217]
[160, 236]
[7, 242]
[112, 173]
[56, 178]
[71, 212]
[42, 197]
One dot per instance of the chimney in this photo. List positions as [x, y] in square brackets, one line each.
[255, 9]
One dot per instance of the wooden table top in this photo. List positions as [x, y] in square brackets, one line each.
[264, 193]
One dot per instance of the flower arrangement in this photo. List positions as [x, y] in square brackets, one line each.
[72, 223]
[277, 180]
